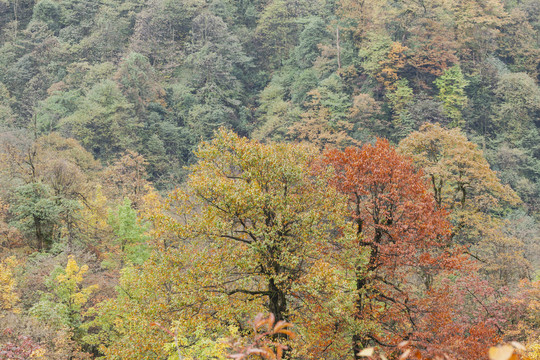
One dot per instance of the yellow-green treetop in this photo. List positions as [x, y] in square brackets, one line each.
[463, 183]
[457, 169]
[253, 230]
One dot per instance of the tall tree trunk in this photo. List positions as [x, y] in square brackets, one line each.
[277, 301]
[360, 341]
[39, 233]
[278, 306]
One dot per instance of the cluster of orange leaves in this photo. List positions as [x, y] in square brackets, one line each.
[512, 351]
[265, 330]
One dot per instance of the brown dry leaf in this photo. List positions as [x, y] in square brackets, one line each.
[289, 333]
[280, 325]
[260, 320]
[271, 320]
[268, 353]
[279, 352]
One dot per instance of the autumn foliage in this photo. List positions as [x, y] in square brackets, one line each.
[360, 248]
[407, 238]
[365, 173]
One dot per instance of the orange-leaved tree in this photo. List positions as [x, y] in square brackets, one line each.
[396, 218]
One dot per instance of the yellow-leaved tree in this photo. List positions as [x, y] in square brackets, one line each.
[463, 183]
[253, 230]
[63, 307]
[8, 296]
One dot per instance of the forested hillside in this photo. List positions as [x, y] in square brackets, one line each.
[365, 170]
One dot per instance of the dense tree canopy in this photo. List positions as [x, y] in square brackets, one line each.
[366, 170]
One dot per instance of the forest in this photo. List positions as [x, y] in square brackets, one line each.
[270, 179]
